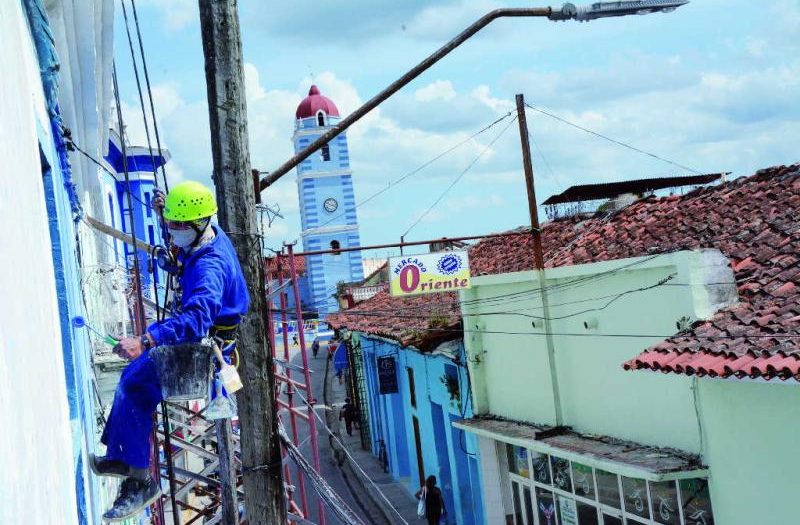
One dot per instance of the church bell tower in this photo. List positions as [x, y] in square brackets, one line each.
[327, 202]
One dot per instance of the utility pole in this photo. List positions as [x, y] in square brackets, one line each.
[261, 456]
[538, 255]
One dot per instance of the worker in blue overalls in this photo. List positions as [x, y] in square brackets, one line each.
[213, 300]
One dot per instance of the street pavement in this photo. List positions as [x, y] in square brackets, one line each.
[332, 473]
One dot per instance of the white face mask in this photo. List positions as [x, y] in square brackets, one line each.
[183, 238]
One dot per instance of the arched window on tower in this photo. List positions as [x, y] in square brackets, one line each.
[326, 153]
[320, 118]
[335, 246]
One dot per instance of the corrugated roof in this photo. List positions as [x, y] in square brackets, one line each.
[609, 190]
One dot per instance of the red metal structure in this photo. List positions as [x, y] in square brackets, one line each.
[286, 385]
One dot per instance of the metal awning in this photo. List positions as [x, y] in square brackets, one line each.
[622, 457]
[609, 190]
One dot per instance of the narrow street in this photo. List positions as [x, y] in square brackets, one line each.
[332, 473]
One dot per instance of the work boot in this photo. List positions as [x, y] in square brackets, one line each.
[134, 496]
[103, 466]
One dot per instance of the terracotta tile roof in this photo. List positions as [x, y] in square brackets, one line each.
[408, 320]
[754, 221]
[271, 265]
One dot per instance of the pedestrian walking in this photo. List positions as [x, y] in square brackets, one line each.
[431, 505]
[349, 414]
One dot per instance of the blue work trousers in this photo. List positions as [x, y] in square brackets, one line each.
[127, 432]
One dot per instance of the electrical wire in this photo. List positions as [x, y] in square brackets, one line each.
[459, 177]
[351, 458]
[149, 91]
[141, 96]
[416, 170]
[618, 336]
[614, 298]
[544, 160]
[619, 143]
[72, 145]
[323, 489]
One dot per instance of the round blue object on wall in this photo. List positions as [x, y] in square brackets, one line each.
[78, 321]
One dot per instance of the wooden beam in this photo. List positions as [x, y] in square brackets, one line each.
[119, 235]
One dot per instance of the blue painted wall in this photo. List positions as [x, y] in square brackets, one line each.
[63, 208]
[146, 223]
[320, 178]
[447, 453]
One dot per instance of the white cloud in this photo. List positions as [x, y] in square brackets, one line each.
[176, 14]
[438, 90]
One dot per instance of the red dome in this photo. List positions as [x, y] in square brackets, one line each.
[315, 102]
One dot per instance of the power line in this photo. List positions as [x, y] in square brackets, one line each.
[614, 298]
[619, 143]
[323, 489]
[544, 160]
[416, 170]
[149, 91]
[351, 458]
[72, 145]
[141, 97]
[459, 177]
[720, 337]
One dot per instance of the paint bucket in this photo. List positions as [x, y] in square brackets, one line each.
[184, 370]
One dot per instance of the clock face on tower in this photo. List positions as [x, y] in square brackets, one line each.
[330, 205]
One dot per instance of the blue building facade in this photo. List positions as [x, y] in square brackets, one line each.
[327, 203]
[413, 426]
[142, 167]
[51, 412]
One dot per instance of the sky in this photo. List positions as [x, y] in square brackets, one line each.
[713, 86]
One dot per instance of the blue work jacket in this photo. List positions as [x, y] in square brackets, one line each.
[214, 292]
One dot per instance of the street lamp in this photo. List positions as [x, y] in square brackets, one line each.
[567, 12]
[597, 10]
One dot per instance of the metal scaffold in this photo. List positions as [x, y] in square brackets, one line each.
[287, 386]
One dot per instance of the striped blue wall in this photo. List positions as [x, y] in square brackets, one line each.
[317, 181]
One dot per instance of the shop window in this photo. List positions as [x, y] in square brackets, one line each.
[563, 492]
[541, 467]
[517, 460]
[517, 504]
[634, 493]
[664, 497]
[526, 495]
[546, 507]
[607, 488]
[587, 514]
[562, 479]
[582, 478]
[696, 502]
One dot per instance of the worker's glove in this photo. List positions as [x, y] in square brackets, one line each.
[129, 348]
[158, 201]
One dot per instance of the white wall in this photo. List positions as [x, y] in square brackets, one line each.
[36, 477]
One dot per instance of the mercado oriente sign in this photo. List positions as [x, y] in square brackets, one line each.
[429, 273]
